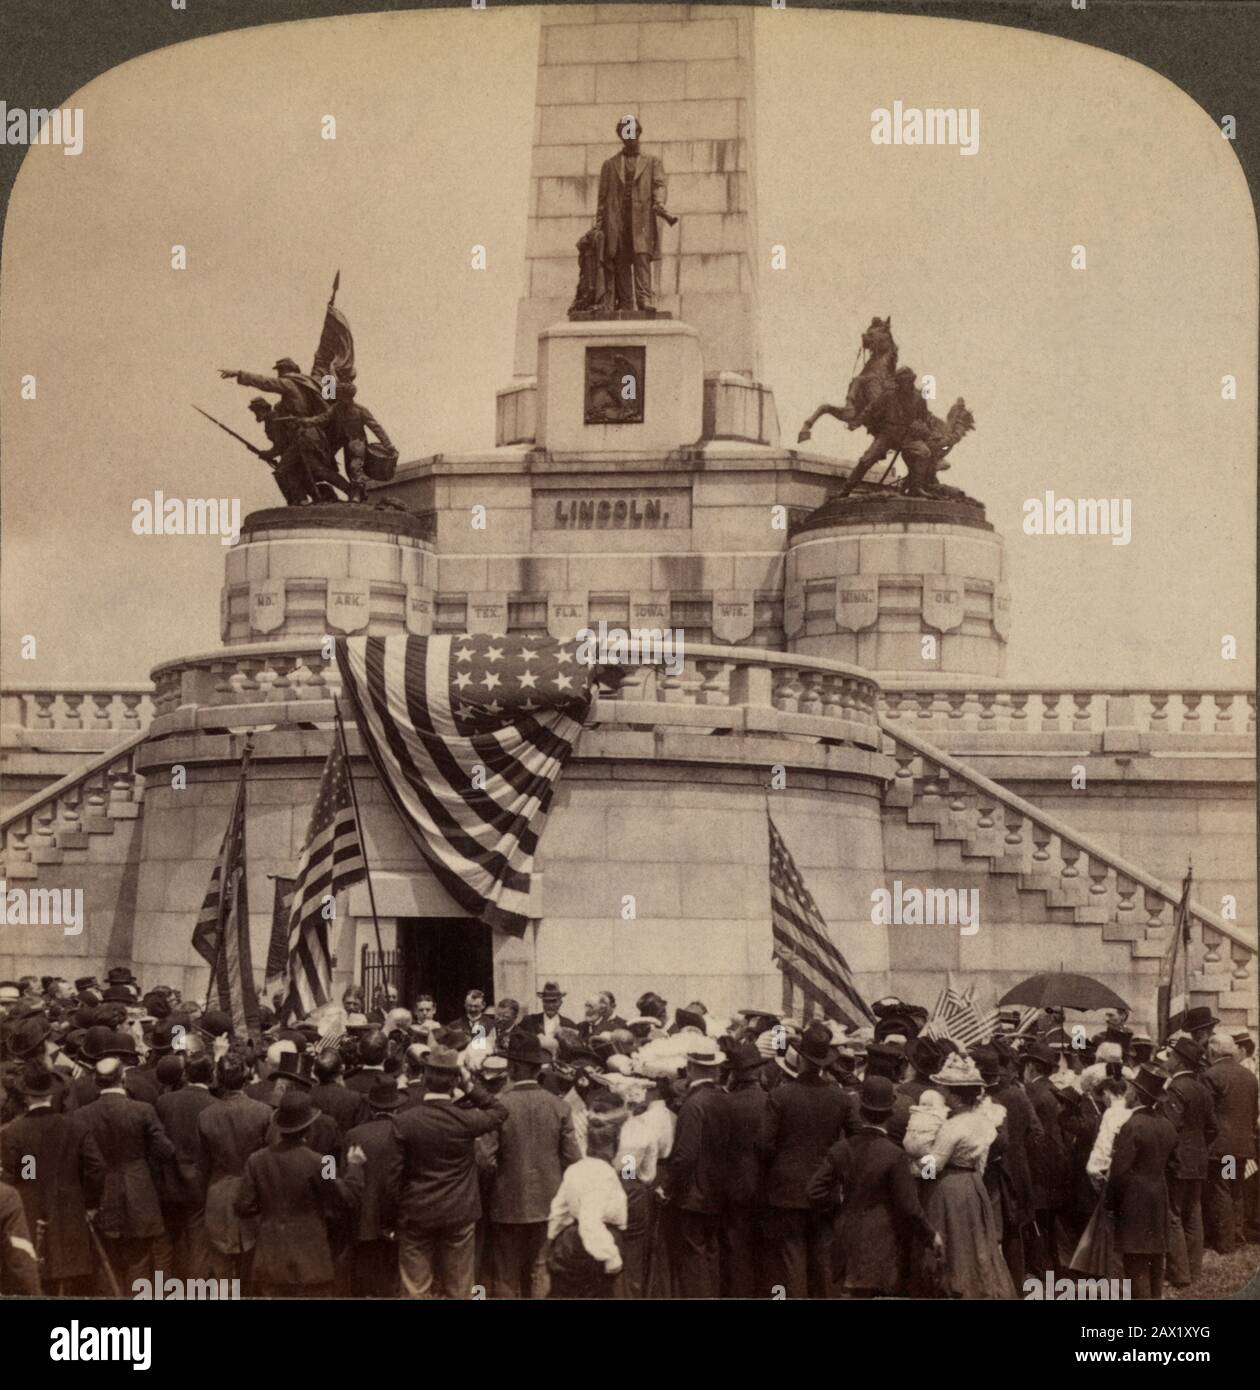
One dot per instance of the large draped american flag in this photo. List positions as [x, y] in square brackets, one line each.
[468, 735]
[803, 948]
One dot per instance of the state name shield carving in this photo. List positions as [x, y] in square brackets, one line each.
[732, 614]
[487, 612]
[857, 602]
[266, 605]
[419, 614]
[793, 609]
[943, 602]
[649, 608]
[614, 385]
[566, 613]
[349, 604]
[1001, 611]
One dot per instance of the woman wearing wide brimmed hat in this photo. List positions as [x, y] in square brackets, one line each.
[956, 1201]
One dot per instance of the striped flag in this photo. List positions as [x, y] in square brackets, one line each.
[332, 859]
[468, 735]
[956, 1017]
[221, 936]
[1171, 1002]
[802, 948]
[276, 973]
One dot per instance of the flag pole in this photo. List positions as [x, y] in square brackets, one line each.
[358, 824]
[247, 754]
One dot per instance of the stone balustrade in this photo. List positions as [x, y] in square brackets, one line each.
[1073, 870]
[63, 816]
[719, 690]
[29, 713]
[1006, 707]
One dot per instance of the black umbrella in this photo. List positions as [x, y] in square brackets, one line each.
[1056, 989]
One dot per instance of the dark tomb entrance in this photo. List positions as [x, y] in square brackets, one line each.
[445, 957]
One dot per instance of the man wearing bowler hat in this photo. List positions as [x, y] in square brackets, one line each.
[549, 1022]
[1187, 1105]
[804, 1117]
[744, 1222]
[536, 1144]
[865, 1179]
[1048, 1157]
[1137, 1185]
[373, 1246]
[441, 1203]
[287, 1187]
[696, 1177]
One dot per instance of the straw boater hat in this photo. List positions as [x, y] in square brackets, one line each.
[958, 1071]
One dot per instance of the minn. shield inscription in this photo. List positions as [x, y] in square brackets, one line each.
[857, 602]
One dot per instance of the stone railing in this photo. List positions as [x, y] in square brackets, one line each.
[1073, 870]
[721, 690]
[63, 816]
[32, 716]
[959, 705]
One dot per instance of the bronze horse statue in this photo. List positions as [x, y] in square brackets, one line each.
[871, 382]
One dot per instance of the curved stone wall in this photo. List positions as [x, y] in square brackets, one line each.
[307, 571]
[865, 583]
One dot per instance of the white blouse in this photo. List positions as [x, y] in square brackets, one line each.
[591, 1195]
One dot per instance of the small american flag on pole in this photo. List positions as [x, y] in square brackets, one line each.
[802, 947]
[468, 735]
[332, 859]
[221, 936]
[956, 1017]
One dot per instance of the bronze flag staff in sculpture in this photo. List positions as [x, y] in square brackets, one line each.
[317, 415]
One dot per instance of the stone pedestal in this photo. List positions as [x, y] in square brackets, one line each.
[335, 569]
[867, 579]
[648, 372]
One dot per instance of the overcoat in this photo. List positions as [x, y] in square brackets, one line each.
[134, 1146]
[536, 1144]
[646, 191]
[1137, 1185]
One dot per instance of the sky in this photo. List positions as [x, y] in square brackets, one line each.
[1101, 382]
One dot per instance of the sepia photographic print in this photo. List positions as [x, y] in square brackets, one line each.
[628, 666]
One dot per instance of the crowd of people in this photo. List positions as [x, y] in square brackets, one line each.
[385, 1153]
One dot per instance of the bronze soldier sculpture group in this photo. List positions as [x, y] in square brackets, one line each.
[318, 416]
[884, 400]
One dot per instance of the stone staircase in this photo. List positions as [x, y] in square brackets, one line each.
[78, 819]
[1079, 881]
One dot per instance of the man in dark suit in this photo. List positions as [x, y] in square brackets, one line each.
[180, 1182]
[1187, 1105]
[1137, 1185]
[440, 1202]
[56, 1168]
[536, 1144]
[631, 192]
[601, 1016]
[866, 1179]
[696, 1176]
[346, 1107]
[231, 1129]
[805, 1115]
[373, 1050]
[1234, 1093]
[507, 1013]
[1048, 1159]
[744, 1223]
[474, 1022]
[1024, 1135]
[134, 1146]
[549, 1022]
[287, 1188]
[373, 1248]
